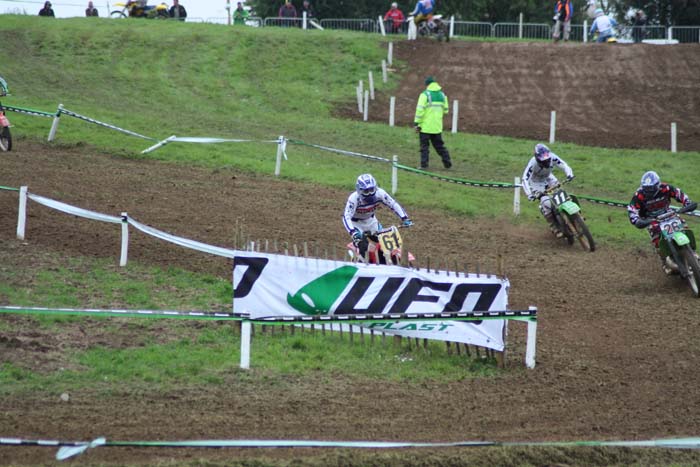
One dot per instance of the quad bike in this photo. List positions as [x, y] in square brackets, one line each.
[140, 9]
[384, 247]
[677, 245]
[433, 26]
[567, 216]
[5, 136]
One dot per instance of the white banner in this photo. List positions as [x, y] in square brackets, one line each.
[267, 285]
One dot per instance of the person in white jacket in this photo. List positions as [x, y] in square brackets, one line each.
[538, 176]
[604, 25]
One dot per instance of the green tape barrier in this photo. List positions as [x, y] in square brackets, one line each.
[38, 113]
[8, 188]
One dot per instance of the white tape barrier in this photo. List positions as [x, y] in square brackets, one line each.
[203, 140]
[97, 122]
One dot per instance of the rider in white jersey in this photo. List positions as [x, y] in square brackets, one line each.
[362, 203]
[538, 176]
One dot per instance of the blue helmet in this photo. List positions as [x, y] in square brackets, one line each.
[366, 186]
[542, 155]
[650, 184]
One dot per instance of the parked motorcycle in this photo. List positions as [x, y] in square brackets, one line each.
[434, 26]
[140, 9]
[5, 136]
[384, 247]
[567, 215]
[677, 244]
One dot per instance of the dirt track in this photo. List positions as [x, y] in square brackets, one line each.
[609, 366]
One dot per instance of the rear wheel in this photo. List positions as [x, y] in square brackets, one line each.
[692, 268]
[5, 139]
[584, 235]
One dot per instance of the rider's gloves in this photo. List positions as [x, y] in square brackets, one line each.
[417, 128]
[407, 222]
[641, 223]
[356, 237]
[533, 195]
[569, 177]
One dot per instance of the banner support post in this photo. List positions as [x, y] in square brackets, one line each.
[22, 213]
[531, 340]
[245, 345]
[516, 196]
[278, 163]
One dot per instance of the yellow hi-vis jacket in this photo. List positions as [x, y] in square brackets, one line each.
[432, 105]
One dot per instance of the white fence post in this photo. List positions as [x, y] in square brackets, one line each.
[304, 21]
[366, 106]
[585, 31]
[531, 341]
[670, 33]
[384, 74]
[22, 212]
[125, 240]
[394, 174]
[390, 53]
[520, 27]
[552, 126]
[392, 108]
[371, 85]
[674, 140]
[455, 115]
[245, 345]
[516, 196]
[280, 151]
[381, 26]
[452, 26]
[54, 125]
[358, 92]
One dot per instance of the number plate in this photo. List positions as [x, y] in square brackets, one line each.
[390, 240]
[671, 225]
[559, 197]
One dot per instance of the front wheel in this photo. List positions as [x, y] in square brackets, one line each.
[584, 235]
[5, 139]
[692, 267]
[117, 14]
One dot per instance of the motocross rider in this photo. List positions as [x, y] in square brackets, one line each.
[423, 11]
[538, 177]
[652, 199]
[359, 217]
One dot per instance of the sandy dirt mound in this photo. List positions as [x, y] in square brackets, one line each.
[622, 95]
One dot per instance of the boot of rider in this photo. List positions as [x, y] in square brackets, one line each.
[667, 264]
[553, 226]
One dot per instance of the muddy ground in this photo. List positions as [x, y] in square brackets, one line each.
[617, 350]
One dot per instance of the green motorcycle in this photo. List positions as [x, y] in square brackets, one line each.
[568, 217]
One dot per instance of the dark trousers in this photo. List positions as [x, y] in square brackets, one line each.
[438, 144]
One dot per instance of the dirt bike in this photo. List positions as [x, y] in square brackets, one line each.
[5, 136]
[433, 26]
[384, 247]
[567, 216]
[140, 9]
[677, 243]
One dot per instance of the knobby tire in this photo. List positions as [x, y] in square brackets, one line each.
[5, 139]
[693, 267]
[584, 235]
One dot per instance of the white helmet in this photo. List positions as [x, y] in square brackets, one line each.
[394, 5]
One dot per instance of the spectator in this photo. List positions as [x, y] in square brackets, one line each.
[178, 11]
[288, 12]
[91, 10]
[306, 7]
[639, 26]
[240, 14]
[604, 25]
[396, 17]
[563, 11]
[432, 105]
[47, 10]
